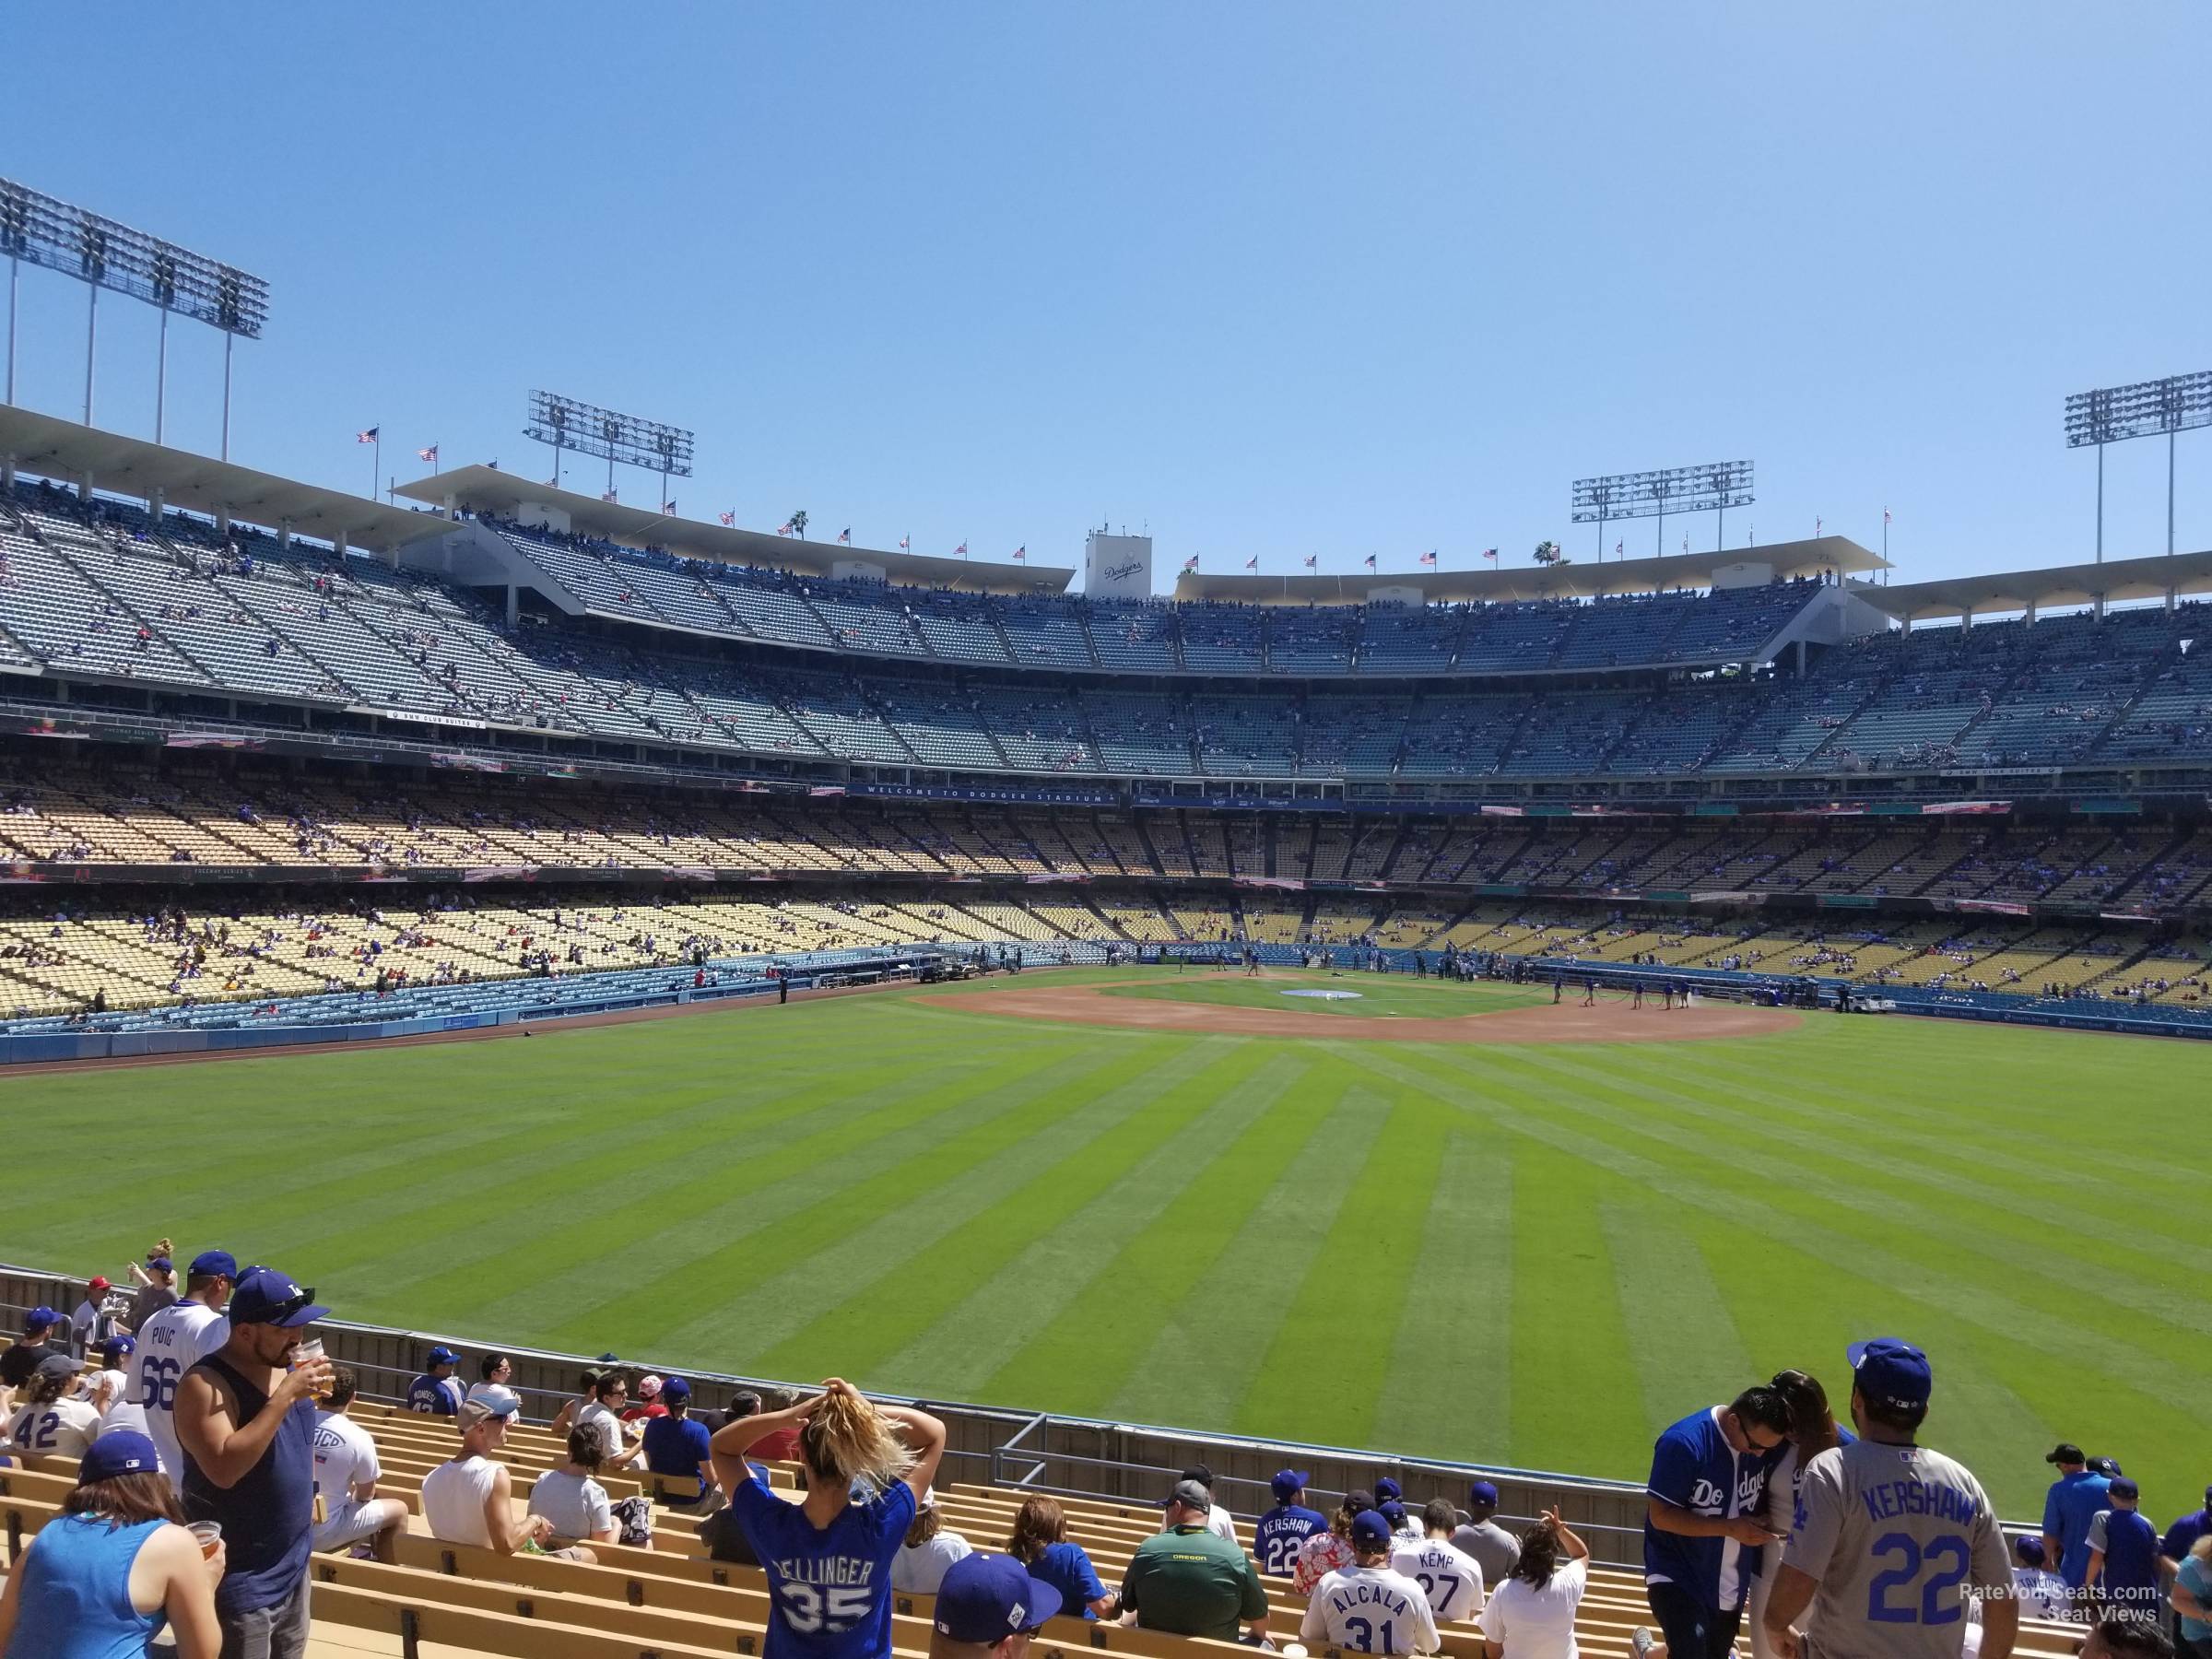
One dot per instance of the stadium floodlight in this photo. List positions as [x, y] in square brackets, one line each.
[591, 430]
[103, 253]
[1712, 487]
[2115, 414]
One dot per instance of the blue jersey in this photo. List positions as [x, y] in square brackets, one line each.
[1694, 1467]
[2068, 1508]
[1278, 1533]
[675, 1445]
[830, 1587]
[439, 1396]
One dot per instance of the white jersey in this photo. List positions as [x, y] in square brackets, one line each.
[344, 1458]
[1218, 1522]
[174, 1341]
[1894, 1536]
[1448, 1575]
[1370, 1610]
[58, 1429]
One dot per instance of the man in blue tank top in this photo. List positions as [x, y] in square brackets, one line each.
[247, 1425]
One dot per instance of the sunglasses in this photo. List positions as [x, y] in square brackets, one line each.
[277, 1312]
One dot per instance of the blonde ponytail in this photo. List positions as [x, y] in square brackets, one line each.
[848, 1438]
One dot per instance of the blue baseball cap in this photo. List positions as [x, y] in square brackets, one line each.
[1483, 1492]
[1370, 1528]
[2030, 1550]
[442, 1355]
[41, 1318]
[674, 1388]
[118, 1452]
[116, 1346]
[264, 1296]
[1892, 1372]
[209, 1263]
[161, 1263]
[986, 1598]
[1288, 1483]
[1387, 1490]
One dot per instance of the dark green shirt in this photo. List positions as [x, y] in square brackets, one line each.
[1195, 1583]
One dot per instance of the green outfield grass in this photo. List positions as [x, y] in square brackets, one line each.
[1529, 1255]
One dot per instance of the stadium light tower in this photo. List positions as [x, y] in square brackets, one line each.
[103, 253]
[590, 430]
[1712, 487]
[2116, 413]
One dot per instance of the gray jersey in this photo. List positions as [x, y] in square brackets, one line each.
[1893, 1535]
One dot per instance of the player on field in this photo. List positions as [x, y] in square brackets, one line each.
[1890, 1536]
[170, 1344]
[1701, 1535]
[828, 1557]
[1370, 1606]
[1448, 1575]
[1283, 1530]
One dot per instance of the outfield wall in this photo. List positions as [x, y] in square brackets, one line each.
[1027, 1450]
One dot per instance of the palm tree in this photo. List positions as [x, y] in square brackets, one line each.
[798, 526]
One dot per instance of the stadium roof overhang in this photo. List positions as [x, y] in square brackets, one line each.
[1825, 554]
[510, 495]
[2115, 582]
[132, 466]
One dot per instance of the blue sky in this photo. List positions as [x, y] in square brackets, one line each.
[1279, 279]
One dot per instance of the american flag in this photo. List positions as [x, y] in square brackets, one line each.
[369, 436]
[727, 518]
[1312, 561]
[845, 535]
[1490, 554]
[1885, 515]
[788, 528]
[1618, 548]
[607, 495]
[960, 551]
[430, 455]
[1022, 552]
[1428, 558]
[905, 542]
[1371, 562]
[1815, 528]
[1253, 563]
[667, 509]
[1190, 564]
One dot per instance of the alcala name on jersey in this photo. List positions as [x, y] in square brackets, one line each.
[1366, 1592]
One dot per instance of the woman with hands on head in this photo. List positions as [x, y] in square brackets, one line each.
[828, 1557]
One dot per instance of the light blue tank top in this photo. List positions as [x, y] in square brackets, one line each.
[75, 1601]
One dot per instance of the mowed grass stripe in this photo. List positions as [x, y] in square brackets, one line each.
[906, 1267]
[829, 1202]
[542, 1237]
[2026, 1190]
[1949, 1214]
[1355, 1291]
[2163, 1196]
[1678, 1324]
[1087, 1354]
[1211, 1341]
[1448, 1380]
[1924, 1283]
[1061, 1269]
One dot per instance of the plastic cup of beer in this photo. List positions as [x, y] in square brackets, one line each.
[209, 1535]
[308, 1353]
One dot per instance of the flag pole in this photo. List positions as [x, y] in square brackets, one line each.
[376, 458]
